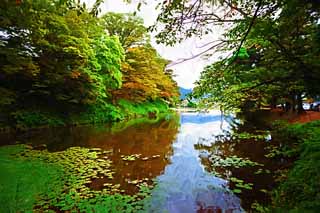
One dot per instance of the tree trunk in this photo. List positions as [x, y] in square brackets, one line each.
[293, 105]
[300, 104]
[273, 102]
[287, 106]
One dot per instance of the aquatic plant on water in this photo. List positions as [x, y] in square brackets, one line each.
[61, 181]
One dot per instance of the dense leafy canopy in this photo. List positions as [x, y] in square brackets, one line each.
[144, 74]
[55, 56]
[58, 58]
[275, 45]
[127, 27]
[139, 83]
[273, 58]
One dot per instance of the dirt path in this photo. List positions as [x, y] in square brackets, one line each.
[306, 117]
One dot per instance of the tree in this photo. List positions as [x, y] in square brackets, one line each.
[280, 37]
[145, 77]
[127, 27]
[55, 56]
[144, 74]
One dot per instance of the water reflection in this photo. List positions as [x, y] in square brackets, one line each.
[183, 183]
[246, 138]
[185, 186]
[152, 139]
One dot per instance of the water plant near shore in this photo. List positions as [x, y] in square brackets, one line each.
[62, 181]
[232, 161]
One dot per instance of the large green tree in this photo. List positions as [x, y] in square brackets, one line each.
[144, 71]
[275, 49]
[127, 27]
[55, 55]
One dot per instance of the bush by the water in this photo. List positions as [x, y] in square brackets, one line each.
[42, 181]
[23, 119]
[300, 192]
[136, 109]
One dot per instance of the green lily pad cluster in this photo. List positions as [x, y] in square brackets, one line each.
[261, 171]
[137, 182]
[259, 208]
[132, 157]
[80, 166]
[69, 189]
[23, 181]
[274, 151]
[240, 184]
[256, 136]
[232, 161]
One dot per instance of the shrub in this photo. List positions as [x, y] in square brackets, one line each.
[30, 118]
[301, 191]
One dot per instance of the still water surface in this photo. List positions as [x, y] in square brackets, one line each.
[167, 153]
[185, 186]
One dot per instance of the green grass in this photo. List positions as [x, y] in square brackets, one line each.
[37, 180]
[300, 192]
[103, 113]
[24, 180]
[35, 118]
[131, 109]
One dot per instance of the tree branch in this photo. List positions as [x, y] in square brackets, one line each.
[266, 82]
[194, 56]
[236, 8]
[249, 28]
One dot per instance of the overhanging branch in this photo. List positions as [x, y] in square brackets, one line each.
[196, 55]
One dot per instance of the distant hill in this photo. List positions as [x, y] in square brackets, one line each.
[184, 92]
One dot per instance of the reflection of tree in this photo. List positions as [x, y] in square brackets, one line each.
[151, 140]
[243, 141]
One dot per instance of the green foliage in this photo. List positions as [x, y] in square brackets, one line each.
[34, 180]
[22, 180]
[274, 44]
[58, 65]
[108, 57]
[139, 109]
[241, 54]
[144, 74]
[57, 58]
[191, 104]
[300, 191]
[98, 114]
[145, 77]
[127, 27]
[60, 50]
[25, 119]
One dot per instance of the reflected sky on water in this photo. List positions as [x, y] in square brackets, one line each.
[185, 186]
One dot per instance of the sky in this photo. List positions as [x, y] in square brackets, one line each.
[186, 73]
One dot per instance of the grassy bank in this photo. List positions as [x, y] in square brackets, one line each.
[293, 153]
[299, 189]
[40, 181]
[106, 113]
